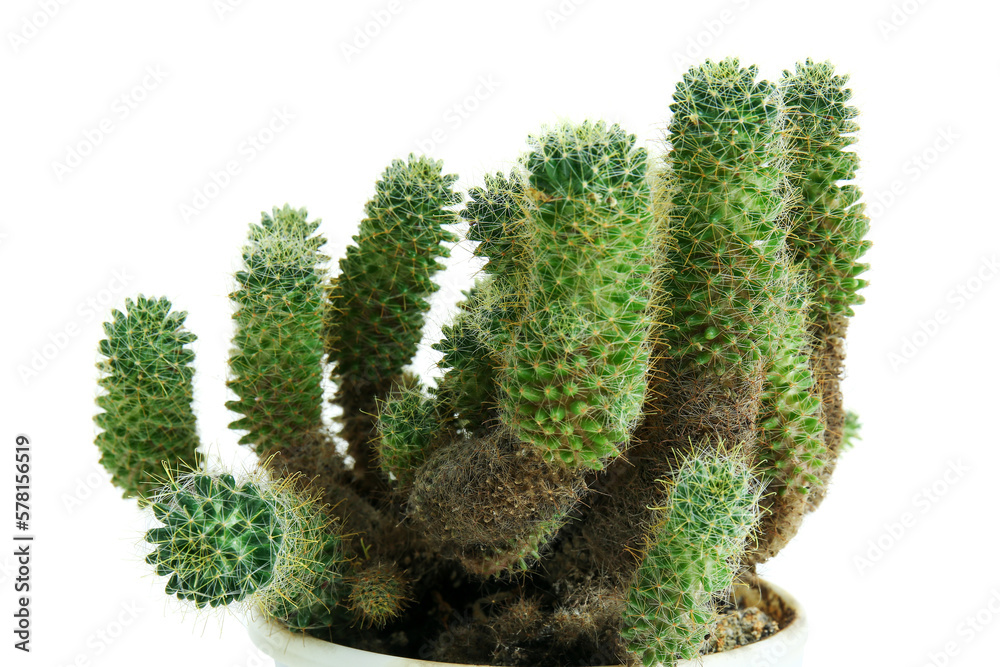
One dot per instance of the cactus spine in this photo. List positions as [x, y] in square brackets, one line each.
[691, 555]
[278, 346]
[407, 423]
[147, 419]
[828, 226]
[474, 344]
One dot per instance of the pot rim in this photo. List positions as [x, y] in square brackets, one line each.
[278, 642]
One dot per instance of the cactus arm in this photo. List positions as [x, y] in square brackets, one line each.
[146, 415]
[223, 542]
[408, 422]
[790, 430]
[474, 343]
[574, 378]
[376, 306]
[276, 361]
[691, 555]
[828, 226]
[723, 180]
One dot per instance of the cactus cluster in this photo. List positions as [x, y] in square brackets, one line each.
[638, 400]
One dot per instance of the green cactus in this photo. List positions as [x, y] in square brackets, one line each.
[278, 347]
[722, 198]
[623, 318]
[223, 542]
[147, 419]
[828, 221]
[725, 171]
[852, 430]
[691, 555]
[828, 225]
[378, 593]
[790, 429]
[473, 345]
[376, 306]
[496, 215]
[465, 395]
[574, 378]
[407, 424]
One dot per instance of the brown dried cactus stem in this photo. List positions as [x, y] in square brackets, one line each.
[828, 370]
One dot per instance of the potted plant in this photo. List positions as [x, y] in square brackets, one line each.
[639, 401]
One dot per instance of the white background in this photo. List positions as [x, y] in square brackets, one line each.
[75, 243]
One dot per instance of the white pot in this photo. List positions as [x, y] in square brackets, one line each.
[784, 649]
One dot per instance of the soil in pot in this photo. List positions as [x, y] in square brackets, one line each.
[519, 622]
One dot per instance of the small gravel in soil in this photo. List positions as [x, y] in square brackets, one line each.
[738, 627]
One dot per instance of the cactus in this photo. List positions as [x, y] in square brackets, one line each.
[491, 502]
[376, 306]
[852, 430]
[147, 419]
[724, 179]
[690, 557]
[223, 542]
[473, 345]
[378, 593]
[790, 430]
[465, 396]
[407, 424]
[552, 497]
[278, 346]
[574, 378]
[828, 226]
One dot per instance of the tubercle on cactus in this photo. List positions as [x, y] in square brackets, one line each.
[407, 424]
[724, 175]
[146, 416]
[474, 343]
[790, 427]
